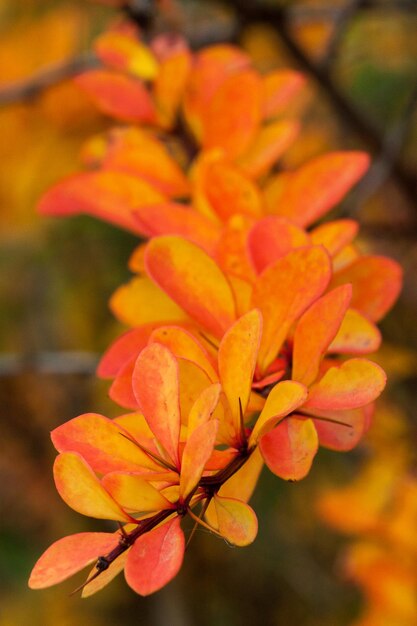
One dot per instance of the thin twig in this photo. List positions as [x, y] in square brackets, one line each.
[340, 25]
[24, 90]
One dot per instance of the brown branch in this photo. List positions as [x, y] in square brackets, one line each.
[25, 90]
[340, 24]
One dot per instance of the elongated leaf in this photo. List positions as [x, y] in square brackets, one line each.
[273, 237]
[283, 399]
[334, 236]
[177, 219]
[137, 152]
[155, 558]
[316, 187]
[315, 331]
[197, 451]
[185, 346]
[279, 88]
[356, 335]
[126, 53]
[237, 357]
[203, 407]
[268, 146]
[133, 492]
[233, 116]
[142, 302]
[170, 85]
[228, 191]
[284, 291]
[376, 283]
[69, 555]
[79, 487]
[155, 384]
[117, 95]
[124, 349]
[289, 449]
[193, 280]
[102, 443]
[108, 195]
[355, 383]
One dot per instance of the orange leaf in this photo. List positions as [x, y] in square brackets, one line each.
[69, 555]
[355, 383]
[193, 280]
[341, 430]
[279, 88]
[376, 283]
[134, 493]
[315, 331]
[203, 407]
[110, 196]
[184, 345]
[273, 237]
[142, 302]
[283, 399]
[233, 116]
[155, 558]
[232, 256]
[237, 356]
[156, 387]
[289, 449]
[79, 487]
[117, 95]
[137, 152]
[177, 219]
[197, 451]
[212, 66]
[127, 346]
[334, 236]
[102, 443]
[236, 521]
[356, 335]
[125, 53]
[316, 187]
[284, 291]
[121, 390]
[169, 86]
[268, 146]
[228, 191]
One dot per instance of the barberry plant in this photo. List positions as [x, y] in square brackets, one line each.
[250, 320]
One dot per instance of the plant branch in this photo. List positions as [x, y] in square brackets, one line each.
[25, 90]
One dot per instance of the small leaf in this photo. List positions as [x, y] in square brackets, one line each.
[155, 384]
[236, 521]
[237, 356]
[354, 384]
[133, 492]
[356, 335]
[117, 95]
[315, 331]
[197, 451]
[376, 283]
[289, 449]
[193, 280]
[79, 487]
[283, 399]
[69, 555]
[271, 238]
[155, 558]
[284, 291]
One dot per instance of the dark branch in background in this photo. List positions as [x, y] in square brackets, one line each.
[62, 363]
[25, 90]
[277, 17]
[341, 22]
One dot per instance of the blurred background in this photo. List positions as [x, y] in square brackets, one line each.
[326, 553]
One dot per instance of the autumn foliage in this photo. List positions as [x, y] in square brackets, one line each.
[250, 315]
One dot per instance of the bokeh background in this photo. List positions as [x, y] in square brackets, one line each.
[56, 276]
